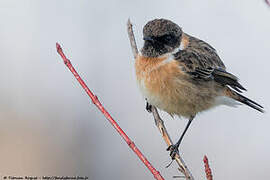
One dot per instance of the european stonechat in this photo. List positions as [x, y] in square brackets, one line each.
[184, 75]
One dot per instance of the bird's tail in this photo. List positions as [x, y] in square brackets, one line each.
[238, 97]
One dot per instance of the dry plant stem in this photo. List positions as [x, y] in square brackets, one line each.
[162, 129]
[207, 169]
[159, 122]
[132, 39]
[95, 100]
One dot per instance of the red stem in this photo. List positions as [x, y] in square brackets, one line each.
[207, 169]
[95, 100]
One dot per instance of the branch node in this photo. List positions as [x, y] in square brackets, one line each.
[95, 99]
[60, 52]
[58, 47]
[181, 170]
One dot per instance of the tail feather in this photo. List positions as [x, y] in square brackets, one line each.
[238, 97]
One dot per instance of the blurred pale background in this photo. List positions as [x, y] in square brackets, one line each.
[48, 126]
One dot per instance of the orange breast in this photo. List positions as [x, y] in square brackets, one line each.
[162, 82]
[157, 74]
[166, 86]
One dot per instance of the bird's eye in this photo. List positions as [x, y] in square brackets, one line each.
[168, 39]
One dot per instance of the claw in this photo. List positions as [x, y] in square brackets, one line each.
[173, 151]
[148, 107]
[169, 164]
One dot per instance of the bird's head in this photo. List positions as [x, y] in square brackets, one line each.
[160, 36]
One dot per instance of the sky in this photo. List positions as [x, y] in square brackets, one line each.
[49, 127]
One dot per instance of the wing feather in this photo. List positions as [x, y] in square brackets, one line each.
[201, 62]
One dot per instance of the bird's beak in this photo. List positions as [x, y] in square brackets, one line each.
[150, 39]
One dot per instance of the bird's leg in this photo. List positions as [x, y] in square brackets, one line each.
[148, 107]
[174, 148]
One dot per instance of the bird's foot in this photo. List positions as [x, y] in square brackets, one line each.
[173, 150]
[148, 107]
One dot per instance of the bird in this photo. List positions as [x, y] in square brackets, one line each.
[183, 75]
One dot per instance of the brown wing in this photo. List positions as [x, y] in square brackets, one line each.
[201, 62]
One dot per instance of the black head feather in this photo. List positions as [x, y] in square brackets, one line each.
[161, 36]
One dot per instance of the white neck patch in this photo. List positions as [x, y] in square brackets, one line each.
[171, 54]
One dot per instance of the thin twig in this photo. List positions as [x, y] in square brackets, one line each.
[180, 161]
[207, 169]
[159, 122]
[132, 39]
[95, 101]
